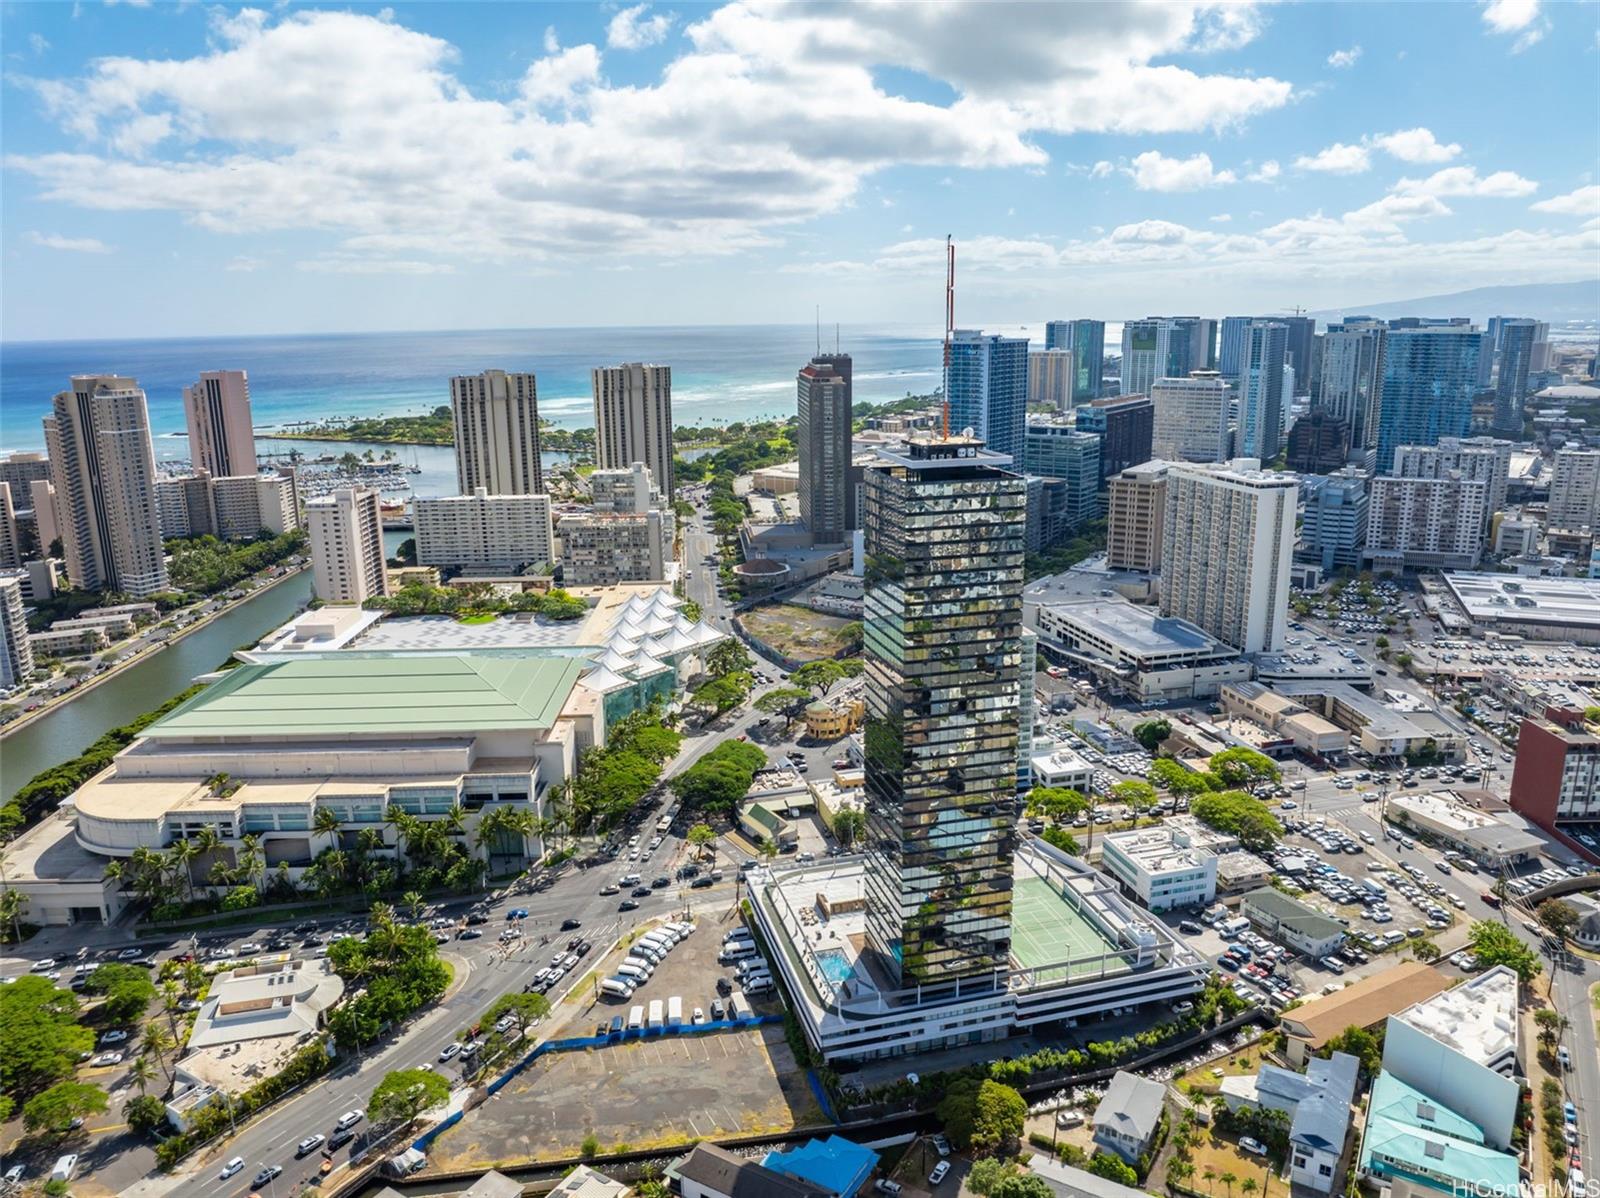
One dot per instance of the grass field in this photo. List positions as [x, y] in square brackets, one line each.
[797, 631]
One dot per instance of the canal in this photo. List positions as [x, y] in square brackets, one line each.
[75, 725]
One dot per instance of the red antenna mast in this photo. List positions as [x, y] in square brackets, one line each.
[949, 321]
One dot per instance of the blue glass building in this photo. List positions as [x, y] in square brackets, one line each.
[1430, 376]
[986, 385]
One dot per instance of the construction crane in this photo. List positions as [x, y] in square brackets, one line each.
[949, 321]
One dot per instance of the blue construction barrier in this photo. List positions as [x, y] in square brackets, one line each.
[821, 1092]
[582, 1043]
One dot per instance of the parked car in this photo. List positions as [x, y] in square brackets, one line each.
[940, 1172]
[1252, 1145]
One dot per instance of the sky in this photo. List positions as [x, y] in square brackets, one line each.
[184, 169]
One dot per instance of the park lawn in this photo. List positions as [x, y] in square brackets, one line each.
[1246, 1061]
[798, 632]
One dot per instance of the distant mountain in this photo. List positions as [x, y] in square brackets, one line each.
[1558, 303]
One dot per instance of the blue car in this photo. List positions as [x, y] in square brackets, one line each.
[517, 913]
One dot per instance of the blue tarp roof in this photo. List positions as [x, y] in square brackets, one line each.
[836, 1164]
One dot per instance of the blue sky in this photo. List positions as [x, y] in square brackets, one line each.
[183, 169]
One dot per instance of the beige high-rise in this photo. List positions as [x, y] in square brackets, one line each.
[221, 438]
[346, 532]
[633, 419]
[1135, 515]
[1191, 423]
[43, 494]
[1574, 488]
[10, 542]
[497, 433]
[104, 471]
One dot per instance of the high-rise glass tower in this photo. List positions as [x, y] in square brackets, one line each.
[1261, 398]
[944, 530]
[986, 385]
[1515, 347]
[1430, 375]
[1352, 377]
[823, 400]
[1087, 341]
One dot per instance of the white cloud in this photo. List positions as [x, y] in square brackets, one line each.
[77, 245]
[37, 43]
[552, 41]
[1415, 145]
[1101, 169]
[1337, 159]
[1342, 59]
[1520, 17]
[1465, 181]
[244, 264]
[348, 123]
[1266, 172]
[1153, 171]
[1221, 218]
[355, 264]
[630, 29]
[1585, 201]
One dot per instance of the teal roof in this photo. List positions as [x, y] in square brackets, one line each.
[337, 695]
[1411, 1135]
[835, 1164]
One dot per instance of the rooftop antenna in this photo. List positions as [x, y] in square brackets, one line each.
[949, 321]
[819, 330]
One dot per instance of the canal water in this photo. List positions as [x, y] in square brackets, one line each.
[74, 726]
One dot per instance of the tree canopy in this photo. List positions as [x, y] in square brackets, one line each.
[985, 1115]
[42, 1038]
[205, 565]
[127, 989]
[398, 967]
[1365, 1046]
[1177, 779]
[1022, 1185]
[1561, 918]
[1235, 812]
[1495, 944]
[52, 1111]
[1240, 766]
[721, 778]
[404, 1094]
[1151, 733]
[1112, 1168]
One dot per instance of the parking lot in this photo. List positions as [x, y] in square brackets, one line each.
[688, 971]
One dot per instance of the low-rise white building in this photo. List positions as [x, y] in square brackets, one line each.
[1160, 868]
[1476, 833]
[1292, 924]
[1134, 650]
[1063, 769]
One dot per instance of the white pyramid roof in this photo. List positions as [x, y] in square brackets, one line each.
[656, 624]
[613, 659]
[630, 628]
[645, 666]
[704, 634]
[603, 681]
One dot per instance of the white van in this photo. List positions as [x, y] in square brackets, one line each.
[658, 1013]
[674, 1011]
[65, 1168]
[739, 933]
[638, 974]
[619, 987]
[656, 944]
[635, 1019]
[736, 952]
[645, 952]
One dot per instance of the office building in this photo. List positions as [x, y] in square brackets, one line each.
[1479, 459]
[1319, 443]
[1054, 448]
[1136, 507]
[1050, 379]
[1333, 526]
[824, 397]
[45, 522]
[1133, 650]
[1513, 355]
[633, 419]
[1418, 523]
[1086, 340]
[10, 537]
[347, 558]
[986, 386]
[1300, 336]
[186, 505]
[1161, 867]
[1261, 393]
[1228, 542]
[1556, 778]
[253, 504]
[222, 439]
[496, 417]
[943, 609]
[104, 472]
[1165, 347]
[1190, 419]
[483, 533]
[1351, 377]
[1574, 488]
[1230, 354]
[1125, 425]
[16, 651]
[1430, 376]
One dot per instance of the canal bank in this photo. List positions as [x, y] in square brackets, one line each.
[68, 728]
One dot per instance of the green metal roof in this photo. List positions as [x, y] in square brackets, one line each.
[350, 695]
[1410, 1135]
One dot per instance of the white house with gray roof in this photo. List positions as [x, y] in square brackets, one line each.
[1125, 1122]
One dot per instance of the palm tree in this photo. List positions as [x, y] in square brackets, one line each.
[1249, 1186]
[140, 1073]
[326, 823]
[1209, 1175]
[1228, 1180]
[414, 903]
[159, 1042]
[180, 857]
[170, 996]
[248, 858]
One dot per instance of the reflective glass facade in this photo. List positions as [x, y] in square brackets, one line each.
[944, 529]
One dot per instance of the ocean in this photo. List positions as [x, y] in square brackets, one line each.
[720, 374]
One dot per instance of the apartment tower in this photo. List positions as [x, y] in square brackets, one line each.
[104, 472]
[1125, 425]
[633, 420]
[1351, 386]
[943, 632]
[1261, 390]
[1136, 510]
[823, 397]
[222, 440]
[986, 385]
[1430, 376]
[347, 559]
[1191, 418]
[1574, 488]
[497, 433]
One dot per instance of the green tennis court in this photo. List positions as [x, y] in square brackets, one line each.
[1047, 930]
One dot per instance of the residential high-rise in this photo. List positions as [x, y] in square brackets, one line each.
[497, 433]
[1514, 357]
[1161, 347]
[22, 469]
[16, 651]
[823, 392]
[1574, 489]
[1351, 385]
[1086, 339]
[986, 386]
[632, 490]
[1136, 510]
[1299, 339]
[347, 559]
[1191, 418]
[1058, 334]
[483, 533]
[104, 472]
[1333, 529]
[625, 536]
[1228, 540]
[1053, 448]
[1479, 459]
[1318, 444]
[222, 439]
[633, 419]
[1425, 523]
[1261, 398]
[187, 506]
[1050, 379]
[45, 521]
[1125, 425]
[943, 634]
[248, 505]
[1430, 374]
[10, 539]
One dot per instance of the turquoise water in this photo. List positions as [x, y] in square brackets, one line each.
[835, 965]
[720, 374]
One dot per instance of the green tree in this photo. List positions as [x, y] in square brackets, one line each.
[1056, 803]
[1151, 734]
[1365, 1046]
[721, 694]
[1176, 779]
[1058, 836]
[848, 825]
[145, 1114]
[1022, 1185]
[719, 779]
[53, 1111]
[1240, 766]
[524, 1009]
[127, 989]
[1114, 1168]
[820, 676]
[729, 657]
[1001, 1114]
[702, 836]
[39, 1029]
[1425, 950]
[1561, 918]
[787, 701]
[403, 1094]
[1494, 944]
[1237, 813]
[987, 1172]
[1139, 796]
